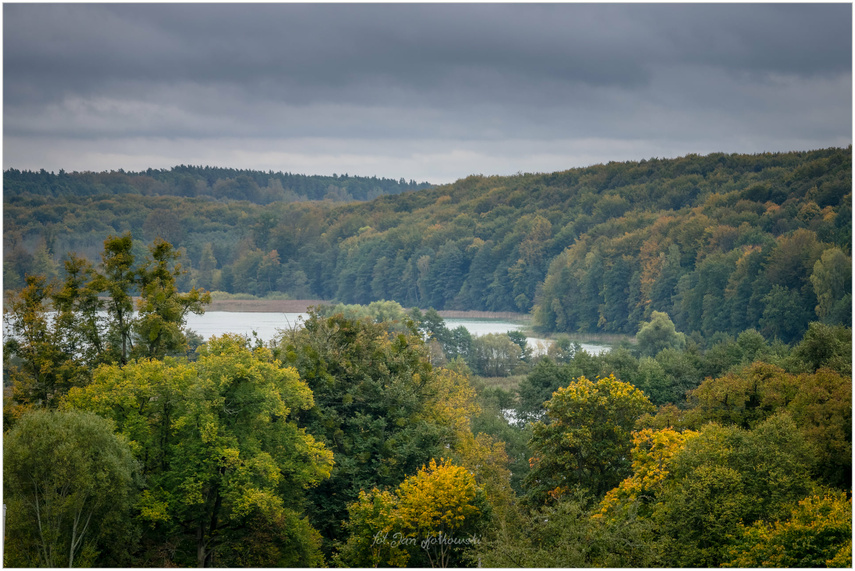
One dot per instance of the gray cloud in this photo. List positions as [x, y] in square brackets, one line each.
[437, 79]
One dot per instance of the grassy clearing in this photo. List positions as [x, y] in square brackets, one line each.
[225, 296]
[505, 383]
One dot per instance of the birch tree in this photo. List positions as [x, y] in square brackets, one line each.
[68, 485]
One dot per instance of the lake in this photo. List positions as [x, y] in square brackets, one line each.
[266, 325]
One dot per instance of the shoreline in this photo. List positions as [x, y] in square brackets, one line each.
[467, 314]
[302, 306]
[263, 305]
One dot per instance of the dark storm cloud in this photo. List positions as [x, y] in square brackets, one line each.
[433, 72]
[309, 47]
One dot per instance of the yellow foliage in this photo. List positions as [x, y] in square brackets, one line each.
[452, 402]
[152, 508]
[437, 500]
[651, 455]
[818, 533]
[486, 458]
[191, 492]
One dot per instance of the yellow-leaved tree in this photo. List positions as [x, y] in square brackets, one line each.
[818, 533]
[430, 519]
[438, 506]
[651, 456]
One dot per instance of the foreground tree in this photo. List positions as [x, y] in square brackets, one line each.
[652, 453]
[374, 538]
[69, 484]
[565, 535]
[46, 369]
[819, 403]
[372, 389]
[726, 476]
[441, 507]
[162, 311]
[817, 533]
[432, 518]
[224, 461]
[61, 331]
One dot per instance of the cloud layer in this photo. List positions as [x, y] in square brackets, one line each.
[425, 91]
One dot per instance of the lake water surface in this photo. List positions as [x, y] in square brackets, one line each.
[267, 325]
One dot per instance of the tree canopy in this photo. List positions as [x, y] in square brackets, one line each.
[69, 487]
[720, 243]
[222, 455]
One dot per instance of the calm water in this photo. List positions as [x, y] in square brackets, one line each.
[267, 325]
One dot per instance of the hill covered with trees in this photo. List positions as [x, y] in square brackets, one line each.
[221, 183]
[373, 435]
[721, 243]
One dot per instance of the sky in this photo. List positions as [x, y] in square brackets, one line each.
[425, 92]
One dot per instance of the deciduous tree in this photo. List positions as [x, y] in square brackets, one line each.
[162, 311]
[220, 450]
[69, 485]
[659, 333]
[586, 439]
[817, 533]
[440, 507]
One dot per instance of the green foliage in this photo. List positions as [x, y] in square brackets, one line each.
[585, 440]
[184, 180]
[730, 249]
[495, 355]
[374, 533]
[819, 403]
[832, 282]
[372, 388]
[823, 346]
[720, 243]
[118, 280]
[389, 312]
[727, 476]
[69, 486]
[565, 535]
[817, 533]
[161, 309]
[658, 334]
[454, 343]
[48, 366]
[60, 332]
[499, 418]
[225, 463]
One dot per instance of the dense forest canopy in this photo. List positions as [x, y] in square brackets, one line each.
[374, 435]
[221, 183]
[720, 243]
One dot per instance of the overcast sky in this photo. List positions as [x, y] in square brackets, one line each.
[431, 92]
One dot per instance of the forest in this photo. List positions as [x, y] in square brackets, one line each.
[721, 243]
[218, 183]
[717, 433]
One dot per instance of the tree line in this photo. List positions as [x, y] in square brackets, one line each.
[721, 243]
[258, 187]
[362, 438]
